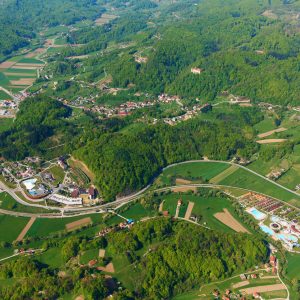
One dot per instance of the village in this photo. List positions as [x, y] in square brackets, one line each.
[57, 182]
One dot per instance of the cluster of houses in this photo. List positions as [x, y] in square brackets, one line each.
[8, 107]
[189, 114]
[126, 108]
[275, 174]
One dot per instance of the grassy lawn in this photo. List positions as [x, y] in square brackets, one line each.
[205, 207]
[88, 255]
[44, 227]
[9, 203]
[136, 212]
[4, 96]
[266, 125]
[52, 257]
[5, 123]
[193, 171]
[58, 174]
[11, 227]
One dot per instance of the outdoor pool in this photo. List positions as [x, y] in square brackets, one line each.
[258, 215]
[287, 237]
[267, 230]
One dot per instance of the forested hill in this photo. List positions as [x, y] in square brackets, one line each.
[20, 20]
[249, 48]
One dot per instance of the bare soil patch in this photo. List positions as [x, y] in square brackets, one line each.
[35, 52]
[161, 206]
[265, 134]
[101, 253]
[108, 268]
[182, 181]
[263, 288]
[184, 189]
[226, 218]
[25, 229]
[7, 64]
[78, 224]
[271, 141]
[23, 81]
[189, 210]
[240, 284]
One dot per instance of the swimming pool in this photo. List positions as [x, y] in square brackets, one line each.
[267, 230]
[287, 237]
[258, 215]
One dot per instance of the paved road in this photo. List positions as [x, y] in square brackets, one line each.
[234, 164]
[124, 200]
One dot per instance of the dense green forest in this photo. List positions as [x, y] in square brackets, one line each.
[239, 48]
[176, 263]
[21, 20]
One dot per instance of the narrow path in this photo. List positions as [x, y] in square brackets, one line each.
[25, 229]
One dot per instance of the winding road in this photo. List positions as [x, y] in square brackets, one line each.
[75, 211]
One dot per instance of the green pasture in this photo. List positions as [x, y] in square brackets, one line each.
[204, 207]
[7, 202]
[89, 255]
[5, 124]
[244, 179]
[136, 212]
[193, 171]
[11, 227]
[58, 174]
[4, 96]
[45, 227]
[52, 257]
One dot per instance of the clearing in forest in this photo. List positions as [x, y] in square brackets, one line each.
[223, 174]
[189, 210]
[78, 224]
[108, 268]
[226, 218]
[25, 229]
[101, 253]
[271, 141]
[265, 134]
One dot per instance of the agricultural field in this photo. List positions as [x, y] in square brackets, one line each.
[19, 73]
[11, 227]
[194, 171]
[223, 174]
[235, 285]
[205, 208]
[46, 227]
[244, 179]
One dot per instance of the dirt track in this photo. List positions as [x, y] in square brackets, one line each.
[25, 229]
[227, 219]
[189, 210]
